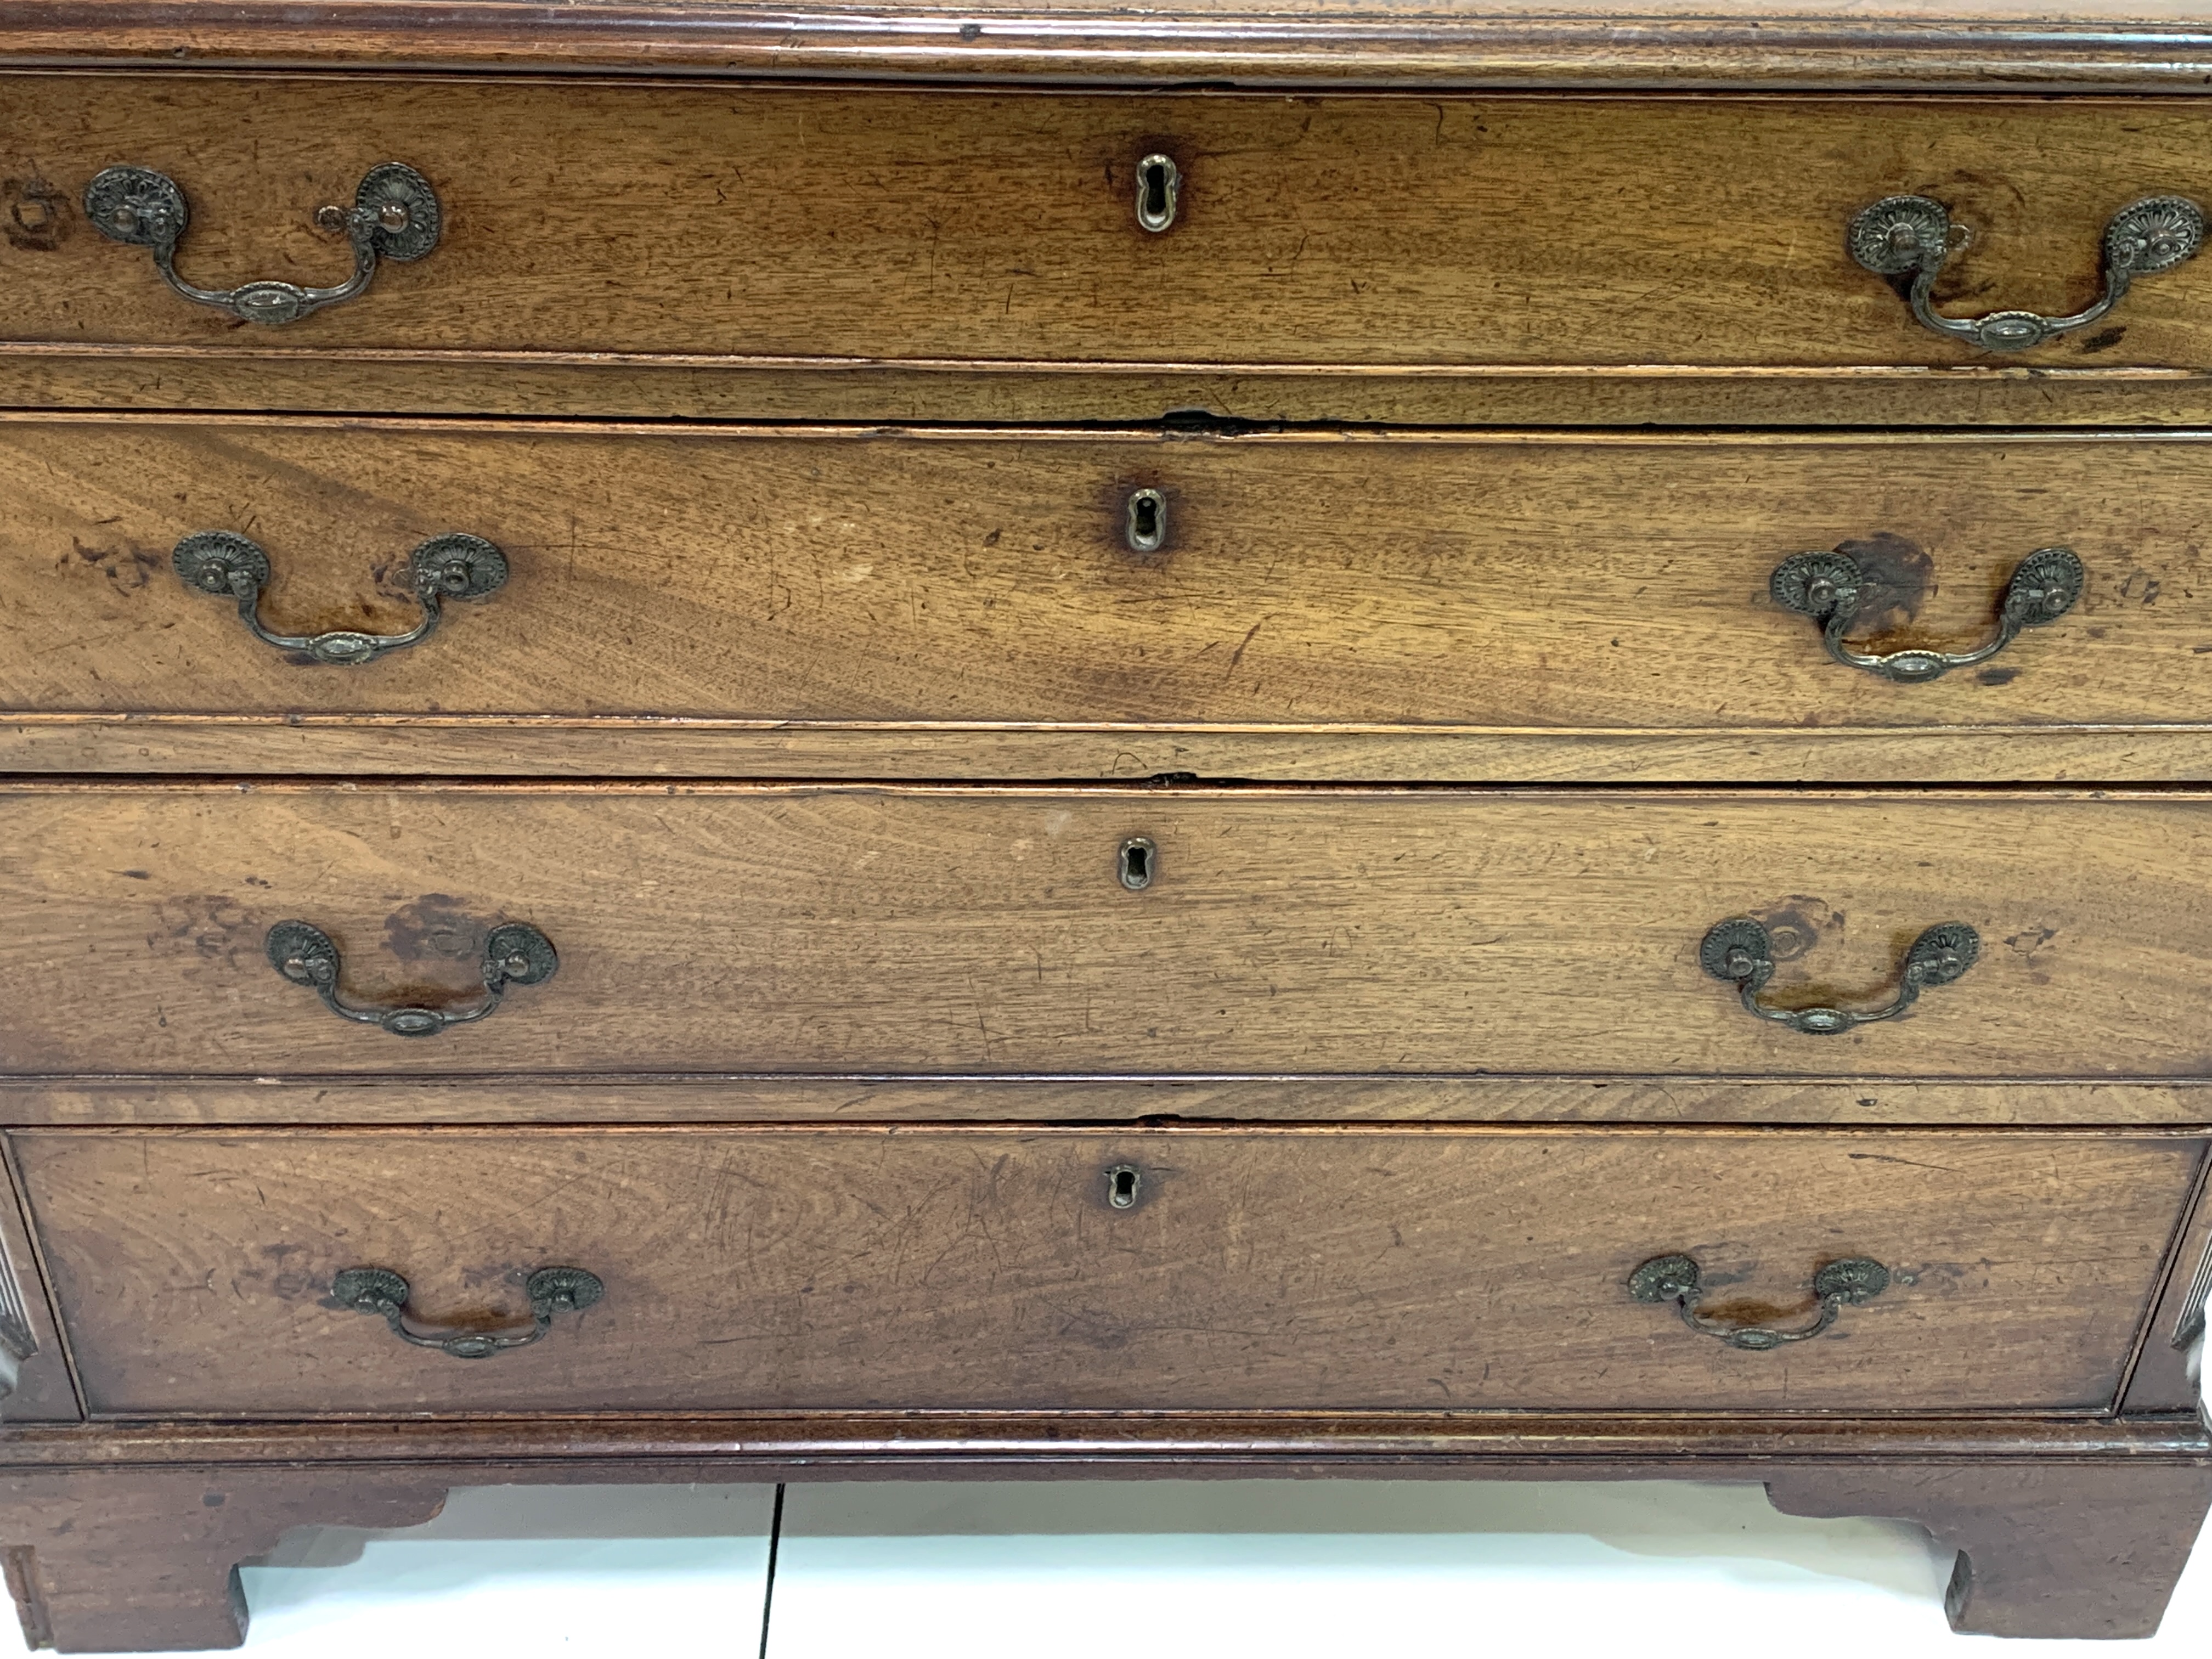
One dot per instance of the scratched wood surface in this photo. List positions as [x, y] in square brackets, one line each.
[987, 1269]
[1511, 584]
[863, 930]
[941, 225]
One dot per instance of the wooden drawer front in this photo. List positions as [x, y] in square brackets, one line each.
[1334, 1270]
[728, 221]
[733, 928]
[1507, 585]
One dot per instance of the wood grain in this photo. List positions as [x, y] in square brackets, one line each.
[733, 928]
[614, 747]
[1416, 1280]
[696, 218]
[1135, 1100]
[257, 379]
[1509, 584]
[2043, 46]
[985, 1269]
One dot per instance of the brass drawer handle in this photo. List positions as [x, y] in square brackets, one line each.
[1829, 587]
[1741, 952]
[551, 1291]
[395, 215]
[514, 953]
[456, 566]
[1677, 1279]
[1909, 237]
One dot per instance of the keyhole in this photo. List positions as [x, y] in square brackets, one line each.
[1122, 1183]
[1140, 861]
[1158, 182]
[1147, 521]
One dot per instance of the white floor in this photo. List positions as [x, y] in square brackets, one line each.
[1185, 1569]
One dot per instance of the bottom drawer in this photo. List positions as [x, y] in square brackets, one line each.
[1192, 1268]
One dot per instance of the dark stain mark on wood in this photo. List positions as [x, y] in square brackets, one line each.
[212, 926]
[436, 927]
[128, 568]
[1899, 575]
[1749, 1311]
[38, 216]
[1797, 924]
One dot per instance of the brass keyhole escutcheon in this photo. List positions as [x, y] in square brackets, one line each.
[1122, 1183]
[1159, 182]
[1145, 521]
[1139, 862]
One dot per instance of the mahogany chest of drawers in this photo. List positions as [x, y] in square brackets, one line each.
[749, 745]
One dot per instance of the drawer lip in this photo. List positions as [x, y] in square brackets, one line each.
[740, 726]
[56, 746]
[1227, 432]
[2148, 376]
[2028, 796]
[1023, 1130]
[168, 380]
[29, 1105]
[1651, 47]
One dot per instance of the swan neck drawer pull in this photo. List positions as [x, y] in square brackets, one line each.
[1908, 239]
[1830, 587]
[514, 953]
[551, 1291]
[1741, 952]
[1678, 1279]
[395, 215]
[456, 567]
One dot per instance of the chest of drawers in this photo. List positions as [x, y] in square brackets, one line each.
[744, 745]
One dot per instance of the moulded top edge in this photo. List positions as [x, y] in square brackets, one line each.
[1953, 45]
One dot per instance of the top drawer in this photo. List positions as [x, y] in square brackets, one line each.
[736, 221]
